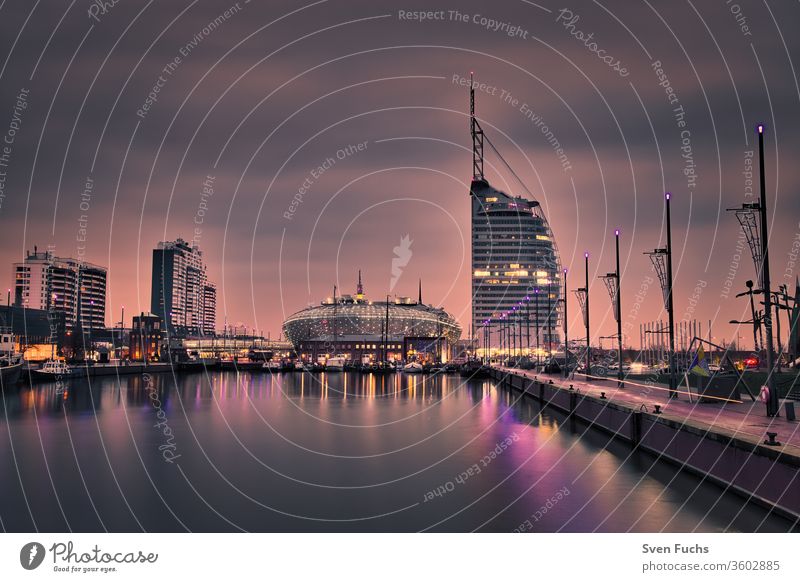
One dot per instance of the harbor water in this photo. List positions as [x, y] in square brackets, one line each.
[253, 451]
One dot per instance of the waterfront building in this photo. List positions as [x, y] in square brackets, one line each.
[73, 287]
[181, 293]
[146, 337]
[355, 327]
[514, 256]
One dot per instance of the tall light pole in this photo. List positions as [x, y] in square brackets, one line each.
[588, 336]
[620, 375]
[566, 329]
[773, 403]
[672, 383]
[536, 322]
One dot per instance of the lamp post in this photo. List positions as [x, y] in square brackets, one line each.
[620, 375]
[773, 403]
[588, 336]
[536, 322]
[566, 329]
[672, 383]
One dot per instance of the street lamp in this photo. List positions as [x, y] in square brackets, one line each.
[588, 336]
[566, 329]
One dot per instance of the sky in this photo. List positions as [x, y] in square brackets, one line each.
[298, 143]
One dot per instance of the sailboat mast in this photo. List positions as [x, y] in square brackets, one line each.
[386, 326]
[334, 318]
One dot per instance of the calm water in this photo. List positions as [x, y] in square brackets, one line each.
[342, 452]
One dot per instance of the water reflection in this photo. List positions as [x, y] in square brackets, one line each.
[330, 452]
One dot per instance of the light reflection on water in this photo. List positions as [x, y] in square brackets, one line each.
[336, 452]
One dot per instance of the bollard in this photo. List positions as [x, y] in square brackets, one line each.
[771, 440]
[657, 409]
[789, 408]
[570, 387]
[602, 396]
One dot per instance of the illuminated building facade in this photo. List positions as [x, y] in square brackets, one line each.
[515, 261]
[181, 293]
[62, 285]
[356, 327]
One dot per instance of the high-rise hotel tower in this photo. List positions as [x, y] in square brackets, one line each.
[58, 284]
[515, 260]
[181, 293]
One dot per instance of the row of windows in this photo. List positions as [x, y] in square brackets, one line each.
[359, 346]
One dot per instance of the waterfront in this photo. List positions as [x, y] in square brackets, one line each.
[339, 452]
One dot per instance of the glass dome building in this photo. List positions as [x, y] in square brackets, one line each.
[356, 327]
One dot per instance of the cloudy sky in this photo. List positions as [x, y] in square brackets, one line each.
[325, 132]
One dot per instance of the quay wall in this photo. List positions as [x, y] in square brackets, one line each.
[762, 474]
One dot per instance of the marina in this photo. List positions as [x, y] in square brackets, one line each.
[334, 452]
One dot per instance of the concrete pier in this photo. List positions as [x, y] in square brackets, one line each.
[721, 442]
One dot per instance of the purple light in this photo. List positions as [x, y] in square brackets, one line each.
[586, 255]
[565, 271]
[667, 195]
[616, 232]
[760, 128]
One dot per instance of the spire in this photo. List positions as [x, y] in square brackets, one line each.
[477, 134]
[419, 300]
[359, 287]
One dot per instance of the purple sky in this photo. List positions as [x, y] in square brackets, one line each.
[261, 99]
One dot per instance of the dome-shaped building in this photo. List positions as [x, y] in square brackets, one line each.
[355, 327]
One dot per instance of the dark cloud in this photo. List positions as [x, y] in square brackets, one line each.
[259, 106]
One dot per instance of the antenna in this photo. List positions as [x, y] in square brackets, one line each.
[477, 134]
[359, 287]
[420, 292]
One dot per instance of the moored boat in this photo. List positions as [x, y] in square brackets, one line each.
[55, 369]
[335, 364]
[413, 368]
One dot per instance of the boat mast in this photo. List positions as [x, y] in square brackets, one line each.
[334, 319]
[386, 338]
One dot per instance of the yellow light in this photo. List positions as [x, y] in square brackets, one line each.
[542, 237]
[491, 199]
[482, 273]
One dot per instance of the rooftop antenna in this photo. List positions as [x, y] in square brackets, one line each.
[477, 134]
[359, 287]
[419, 300]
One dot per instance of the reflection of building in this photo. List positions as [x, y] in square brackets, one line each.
[514, 256]
[146, 337]
[75, 288]
[181, 293]
[355, 327]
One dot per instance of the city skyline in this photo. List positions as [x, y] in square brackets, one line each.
[268, 265]
[354, 266]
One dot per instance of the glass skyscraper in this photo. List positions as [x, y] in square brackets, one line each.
[515, 260]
